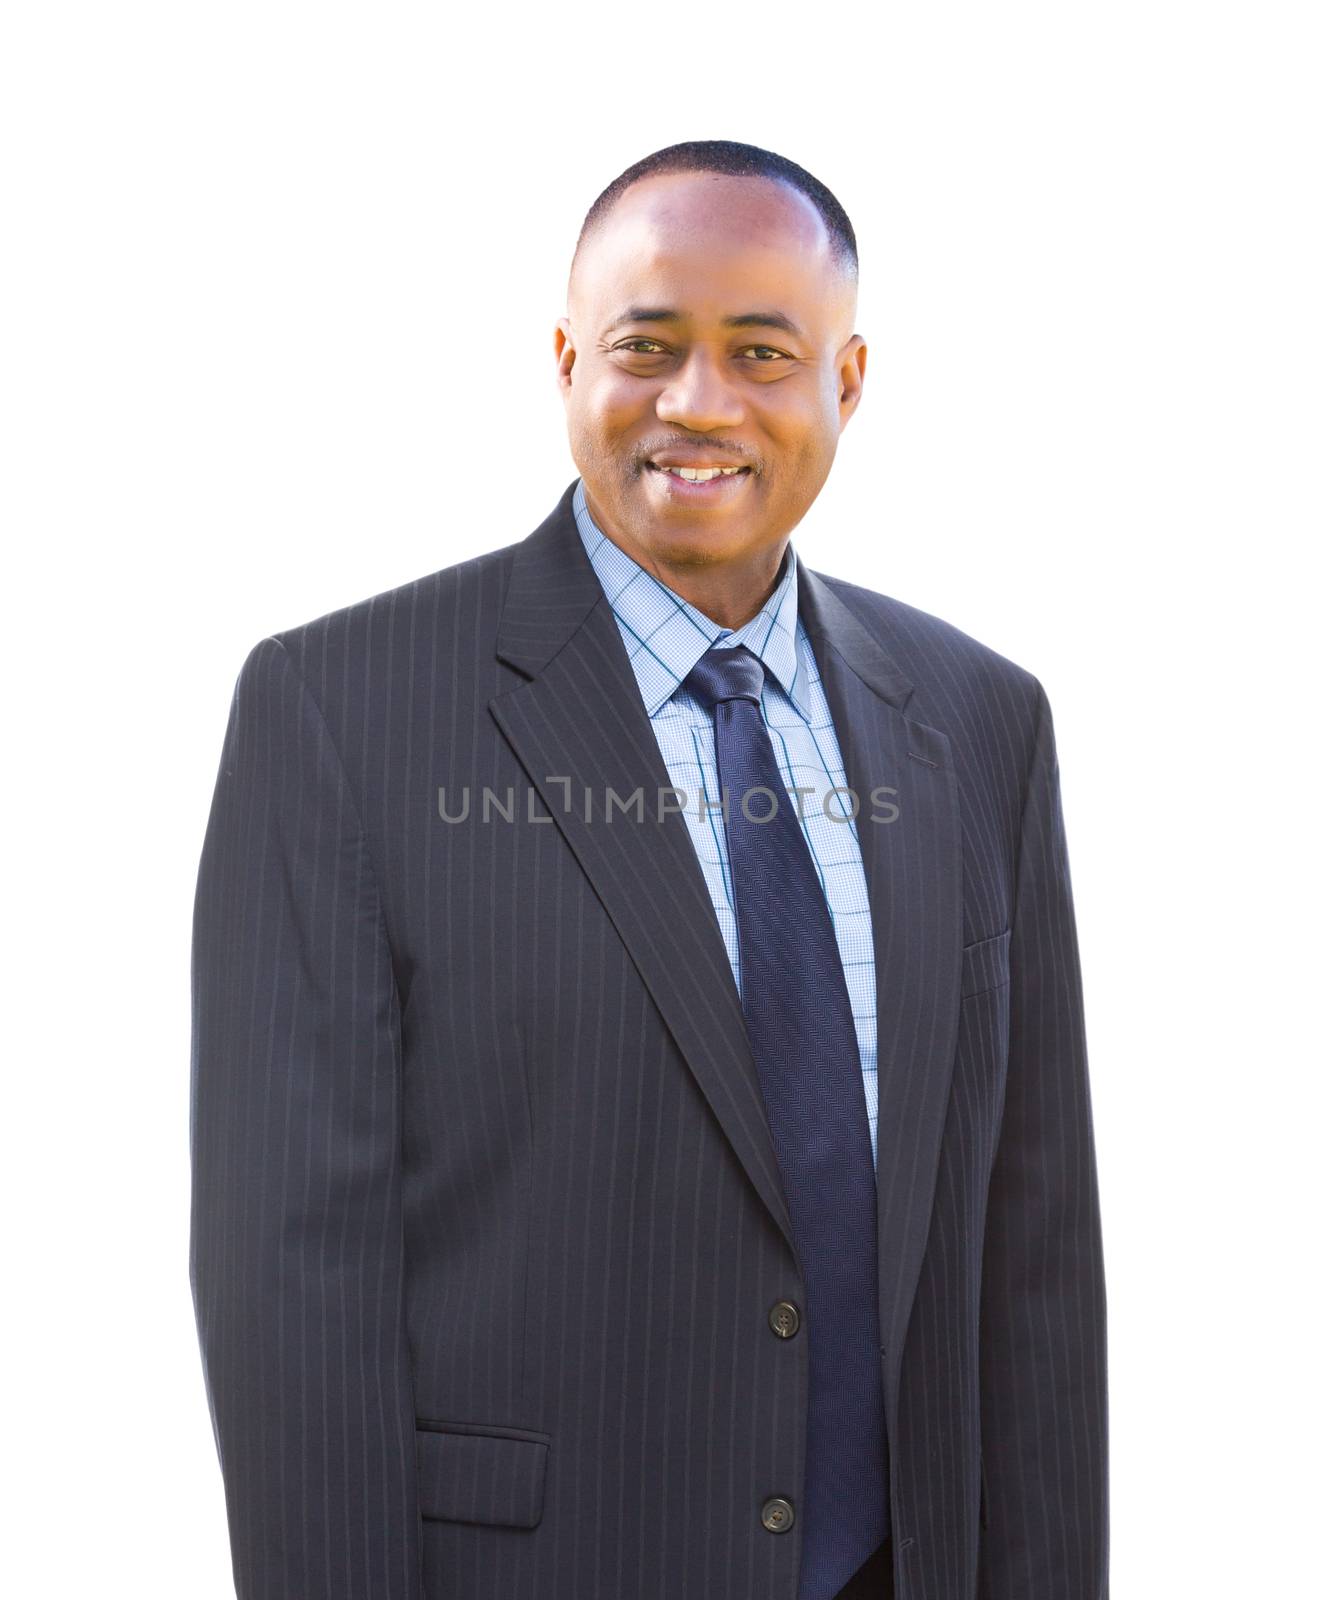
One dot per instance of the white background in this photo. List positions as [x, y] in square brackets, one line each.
[279, 290]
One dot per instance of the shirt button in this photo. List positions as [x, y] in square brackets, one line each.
[777, 1515]
[783, 1319]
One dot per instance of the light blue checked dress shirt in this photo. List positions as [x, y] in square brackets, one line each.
[665, 637]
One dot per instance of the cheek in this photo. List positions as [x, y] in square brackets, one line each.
[805, 417]
[805, 447]
[608, 402]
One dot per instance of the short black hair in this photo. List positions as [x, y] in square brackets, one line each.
[732, 159]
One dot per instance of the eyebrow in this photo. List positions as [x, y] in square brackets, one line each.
[748, 319]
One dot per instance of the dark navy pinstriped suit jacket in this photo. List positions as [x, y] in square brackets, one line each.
[486, 1219]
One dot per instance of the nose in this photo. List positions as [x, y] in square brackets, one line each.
[700, 396]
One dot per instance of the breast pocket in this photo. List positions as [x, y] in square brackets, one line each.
[986, 964]
[471, 1472]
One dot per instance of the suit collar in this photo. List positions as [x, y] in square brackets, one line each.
[554, 586]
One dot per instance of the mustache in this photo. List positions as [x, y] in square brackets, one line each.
[722, 452]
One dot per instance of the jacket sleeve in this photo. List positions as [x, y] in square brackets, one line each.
[1043, 1358]
[295, 1248]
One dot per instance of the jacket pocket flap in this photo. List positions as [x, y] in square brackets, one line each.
[985, 964]
[471, 1473]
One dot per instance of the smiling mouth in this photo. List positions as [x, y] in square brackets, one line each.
[701, 475]
[714, 488]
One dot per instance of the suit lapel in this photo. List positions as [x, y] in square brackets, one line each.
[912, 866]
[579, 728]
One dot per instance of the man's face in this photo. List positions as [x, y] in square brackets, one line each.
[655, 372]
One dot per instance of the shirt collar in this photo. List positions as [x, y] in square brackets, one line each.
[666, 636]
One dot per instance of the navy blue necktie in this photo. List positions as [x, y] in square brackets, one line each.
[801, 1029]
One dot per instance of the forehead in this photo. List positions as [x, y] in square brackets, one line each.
[701, 243]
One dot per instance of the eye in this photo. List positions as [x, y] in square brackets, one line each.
[630, 347]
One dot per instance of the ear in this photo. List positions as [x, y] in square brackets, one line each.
[564, 355]
[850, 365]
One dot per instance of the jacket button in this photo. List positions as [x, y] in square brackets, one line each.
[783, 1319]
[777, 1515]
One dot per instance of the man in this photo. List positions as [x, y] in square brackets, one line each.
[640, 1124]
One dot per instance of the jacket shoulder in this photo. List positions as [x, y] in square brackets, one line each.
[930, 650]
[464, 589]
[988, 706]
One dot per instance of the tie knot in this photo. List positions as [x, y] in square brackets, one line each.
[727, 674]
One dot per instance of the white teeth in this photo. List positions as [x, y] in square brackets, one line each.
[703, 474]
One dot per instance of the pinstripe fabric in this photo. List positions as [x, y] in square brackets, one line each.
[665, 637]
[486, 1224]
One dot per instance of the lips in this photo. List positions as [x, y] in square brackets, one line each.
[671, 488]
[728, 469]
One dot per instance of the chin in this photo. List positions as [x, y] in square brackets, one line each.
[697, 545]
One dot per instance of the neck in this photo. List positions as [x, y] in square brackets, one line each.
[729, 593]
